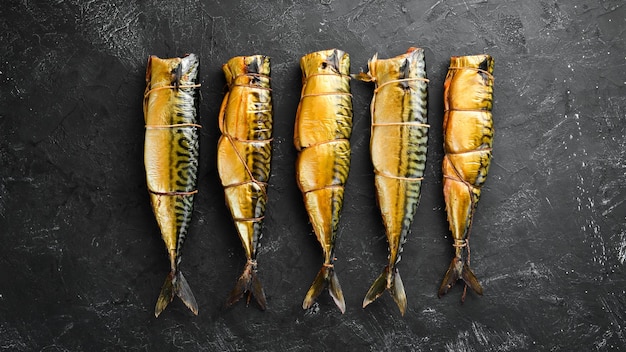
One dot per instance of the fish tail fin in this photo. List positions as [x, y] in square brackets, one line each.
[388, 280]
[183, 291]
[175, 284]
[397, 291]
[326, 277]
[470, 280]
[166, 295]
[451, 277]
[459, 270]
[335, 290]
[248, 282]
[377, 288]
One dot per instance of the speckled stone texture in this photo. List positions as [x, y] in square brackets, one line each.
[81, 256]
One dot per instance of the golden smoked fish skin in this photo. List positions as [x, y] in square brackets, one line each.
[398, 147]
[468, 137]
[171, 161]
[322, 132]
[243, 159]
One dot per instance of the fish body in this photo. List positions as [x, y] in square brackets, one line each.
[322, 132]
[468, 136]
[398, 147]
[171, 161]
[243, 159]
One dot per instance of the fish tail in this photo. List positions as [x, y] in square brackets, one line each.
[175, 284]
[183, 291]
[166, 295]
[326, 277]
[459, 269]
[388, 280]
[397, 291]
[335, 290]
[377, 288]
[248, 282]
[470, 280]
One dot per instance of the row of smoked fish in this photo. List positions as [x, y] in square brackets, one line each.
[398, 145]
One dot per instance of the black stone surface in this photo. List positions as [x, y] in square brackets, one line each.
[81, 258]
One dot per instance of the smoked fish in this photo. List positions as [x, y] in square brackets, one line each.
[243, 159]
[322, 131]
[468, 139]
[398, 147]
[171, 161]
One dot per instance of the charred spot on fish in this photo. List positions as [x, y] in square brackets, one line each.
[177, 73]
[484, 66]
[405, 72]
[253, 67]
[332, 61]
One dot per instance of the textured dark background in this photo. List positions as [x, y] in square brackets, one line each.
[81, 260]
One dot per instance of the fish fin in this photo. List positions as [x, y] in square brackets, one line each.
[183, 291]
[326, 277]
[166, 296]
[247, 282]
[257, 291]
[470, 279]
[459, 270]
[240, 288]
[397, 291]
[377, 288]
[385, 281]
[362, 76]
[335, 290]
[452, 276]
[175, 284]
[317, 287]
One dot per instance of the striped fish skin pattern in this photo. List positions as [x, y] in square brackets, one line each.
[398, 148]
[171, 160]
[322, 131]
[468, 139]
[244, 156]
